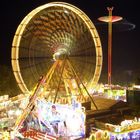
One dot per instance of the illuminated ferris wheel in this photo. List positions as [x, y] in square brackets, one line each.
[57, 40]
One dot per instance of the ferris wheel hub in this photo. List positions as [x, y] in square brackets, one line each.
[61, 54]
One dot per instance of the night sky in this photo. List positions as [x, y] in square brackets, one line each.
[126, 46]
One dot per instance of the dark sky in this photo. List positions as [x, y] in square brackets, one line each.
[126, 46]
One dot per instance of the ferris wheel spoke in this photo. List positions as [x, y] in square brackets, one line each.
[84, 59]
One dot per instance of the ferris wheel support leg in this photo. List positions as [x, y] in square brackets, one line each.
[60, 79]
[75, 78]
[50, 73]
[83, 85]
[49, 76]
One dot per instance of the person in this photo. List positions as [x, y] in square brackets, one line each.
[54, 118]
[55, 115]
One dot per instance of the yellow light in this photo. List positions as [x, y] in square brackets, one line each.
[5, 135]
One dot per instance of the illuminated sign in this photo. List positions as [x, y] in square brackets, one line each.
[61, 120]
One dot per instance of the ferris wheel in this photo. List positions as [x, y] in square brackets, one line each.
[52, 33]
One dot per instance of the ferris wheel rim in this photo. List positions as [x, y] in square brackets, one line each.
[24, 23]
